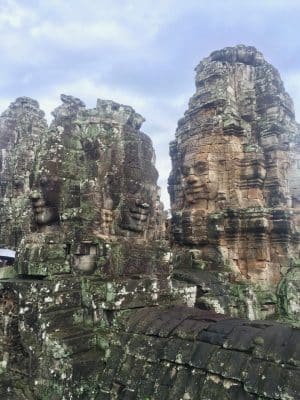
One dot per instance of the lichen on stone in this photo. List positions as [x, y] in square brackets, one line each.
[100, 304]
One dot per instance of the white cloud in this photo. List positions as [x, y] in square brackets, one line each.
[84, 35]
[27, 29]
[13, 15]
[15, 20]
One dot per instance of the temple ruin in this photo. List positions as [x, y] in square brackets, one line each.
[234, 191]
[107, 299]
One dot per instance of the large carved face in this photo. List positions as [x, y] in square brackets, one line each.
[135, 209]
[94, 186]
[45, 200]
[64, 198]
[139, 187]
[198, 183]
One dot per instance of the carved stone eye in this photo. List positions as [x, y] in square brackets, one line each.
[43, 181]
[185, 170]
[134, 187]
[200, 167]
[18, 184]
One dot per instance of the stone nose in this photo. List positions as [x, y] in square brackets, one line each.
[191, 178]
[140, 203]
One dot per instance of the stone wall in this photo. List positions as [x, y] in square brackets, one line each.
[61, 351]
[193, 354]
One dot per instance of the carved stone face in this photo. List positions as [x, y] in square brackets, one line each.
[85, 257]
[111, 191]
[197, 184]
[21, 127]
[18, 186]
[138, 193]
[136, 208]
[93, 183]
[45, 201]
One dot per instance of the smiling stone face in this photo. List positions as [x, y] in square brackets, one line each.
[94, 183]
[139, 190]
[135, 209]
[21, 127]
[198, 184]
[45, 201]
[233, 177]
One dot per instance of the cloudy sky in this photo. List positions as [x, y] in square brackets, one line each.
[137, 52]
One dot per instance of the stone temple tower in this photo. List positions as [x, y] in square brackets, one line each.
[21, 127]
[95, 310]
[233, 187]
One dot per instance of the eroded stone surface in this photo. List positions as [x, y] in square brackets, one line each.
[89, 315]
[21, 127]
[94, 195]
[233, 184]
[194, 354]
[174, 352]
[95, 248]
